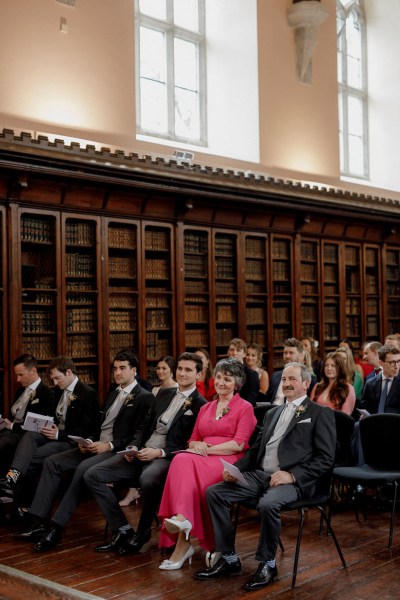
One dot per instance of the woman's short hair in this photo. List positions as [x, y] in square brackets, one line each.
[234, 368]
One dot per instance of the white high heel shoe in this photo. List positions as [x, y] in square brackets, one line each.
[168, 565]
[173, 525]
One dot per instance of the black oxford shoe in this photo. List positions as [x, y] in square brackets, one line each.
[219, 569]
[262, 577]
[118, 539]
[135, 543]
[49, 540]
[35, 532]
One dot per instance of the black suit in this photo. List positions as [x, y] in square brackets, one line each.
[274, 385]
[129, 426]
[149, 476]
[307, 450]
[372, 393]
[82, 418]
[251, 387]
[42, 403]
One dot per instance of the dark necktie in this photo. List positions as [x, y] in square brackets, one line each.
[384, 393]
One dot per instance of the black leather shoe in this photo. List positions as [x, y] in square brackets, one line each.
[135, 543]
[118, 539]
[220, 568]
[262, 577]
[35, 532]
[49, 540]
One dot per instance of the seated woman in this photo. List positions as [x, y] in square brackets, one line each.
[223, 429]
[353, 373]
[311, 346]
[205, 384]
[334, 390]
[253, 359]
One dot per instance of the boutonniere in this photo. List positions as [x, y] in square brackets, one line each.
[32, 395]
[187, 403]
[300, 410]
[223, 413]
[70, 398]
[128, 398]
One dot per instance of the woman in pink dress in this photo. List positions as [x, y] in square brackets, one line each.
[334, 390]
[223, 429]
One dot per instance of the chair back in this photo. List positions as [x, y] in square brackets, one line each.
[380, 438]
[344, 434]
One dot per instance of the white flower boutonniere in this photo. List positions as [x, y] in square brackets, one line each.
[128, 398]
[70, 398]
[300, 410]
[187, 403]
[32, 395]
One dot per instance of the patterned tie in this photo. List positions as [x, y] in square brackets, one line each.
[384, 393]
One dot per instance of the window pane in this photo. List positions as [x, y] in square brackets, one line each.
[187, 122]
[355, 116]
[153, 106]
[185, 64]
[356, 155]
[152, 54]
[154, 8]
[186, 14]
[354, 51]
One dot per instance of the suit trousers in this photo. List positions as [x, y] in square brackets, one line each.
[50, 480]
[33, 450]
[8, 443]
[148, 476]
[221, 496]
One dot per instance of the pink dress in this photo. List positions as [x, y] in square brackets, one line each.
[190, 474]
[347, 406]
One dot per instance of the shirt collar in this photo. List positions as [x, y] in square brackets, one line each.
[298, 401]
[187, 393]
[34, 385]
[128, 388]
[72, 385]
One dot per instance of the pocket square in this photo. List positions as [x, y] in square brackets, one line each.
[188, 413]
[305, 421]
[36, 401]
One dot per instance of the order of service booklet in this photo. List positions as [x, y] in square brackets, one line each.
[36, 422]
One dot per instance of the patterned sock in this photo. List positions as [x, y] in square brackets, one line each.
[271, 563]
[230, 557]
[125, 528]
[13, 476]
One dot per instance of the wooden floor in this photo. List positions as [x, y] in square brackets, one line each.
[373, 571]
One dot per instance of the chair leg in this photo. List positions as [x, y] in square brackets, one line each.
[331, 533]
[297, 553]
[392, 515]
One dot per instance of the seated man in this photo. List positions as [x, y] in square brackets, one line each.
[172, 420]
[124, 421]
[77, 413]
[295, 447]
[33, 396]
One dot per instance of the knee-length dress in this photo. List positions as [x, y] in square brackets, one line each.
[190, 474]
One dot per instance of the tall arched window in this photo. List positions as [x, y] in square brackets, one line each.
[170, 74]
[353, 99]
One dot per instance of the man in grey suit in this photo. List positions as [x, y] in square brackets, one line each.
[294, 449]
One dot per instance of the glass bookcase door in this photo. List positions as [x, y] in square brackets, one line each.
[372, 298]
[39, 233]
[309, 292]
[158, 296]
[122, 286]
[282, 299]
[256, 290]
[196, 273]
[392, 277]
[225, 290]
[331, 297]
[81, 286]
[353, 295]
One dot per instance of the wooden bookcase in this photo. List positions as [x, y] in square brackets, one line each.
[307, 253]
[372, 294]
[282, 282]
[331, 297]
[392, 289]
[3, 311]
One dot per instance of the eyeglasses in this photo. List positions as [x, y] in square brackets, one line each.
[393, 363]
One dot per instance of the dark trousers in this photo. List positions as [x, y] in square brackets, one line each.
[33, 450]
[148, 476]
[8, 444]
[50, 480]
[221, 496]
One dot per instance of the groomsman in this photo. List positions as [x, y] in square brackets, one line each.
[77, 413]
[124, 422]
[32, 395]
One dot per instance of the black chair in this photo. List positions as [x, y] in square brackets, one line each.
[380, 439]
[344, 434]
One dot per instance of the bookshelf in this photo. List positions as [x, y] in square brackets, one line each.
[282, 300]
[256, 289]
[196, 274]
[309, 286]
[3, 296]
[158, 299]
[81, 285]
[372, 298]
[352, 255]
[392, 282]
[121, 277]
[225, 277]
[331, 290]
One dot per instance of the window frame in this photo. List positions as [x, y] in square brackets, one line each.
[171, 32]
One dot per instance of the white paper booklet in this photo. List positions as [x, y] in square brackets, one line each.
[36, 422]
[80, 440]
[234, 471]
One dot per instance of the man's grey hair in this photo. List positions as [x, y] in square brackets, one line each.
[304, 372]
